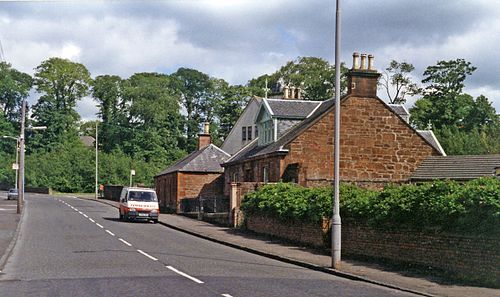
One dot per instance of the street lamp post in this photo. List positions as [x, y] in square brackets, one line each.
[336, 222]
[20, 199]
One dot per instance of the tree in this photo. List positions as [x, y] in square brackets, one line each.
[397, 77]
[107, 90]
[63, 83]
[462, 125]
[196, 90]
[14, 86]
[446, 105]
[153, 127]
[315, 76]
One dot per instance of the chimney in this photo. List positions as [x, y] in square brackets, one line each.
[204, 139]
[363, 80]
[285, 92]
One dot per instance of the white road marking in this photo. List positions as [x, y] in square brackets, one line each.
[100, 226]
[226, 295]
[90, 219]
[85, 215]
[185, 275]
[80, 212]
[147, 255]
[125, 242]
[110, 233]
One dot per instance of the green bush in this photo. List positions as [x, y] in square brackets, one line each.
[440, 206]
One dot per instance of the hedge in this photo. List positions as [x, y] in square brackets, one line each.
[472, 207]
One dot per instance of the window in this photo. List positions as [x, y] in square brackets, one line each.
[249, 133]
[256, 131]
[235, 177]
[243, 133]
[265, 174]
[268, 131]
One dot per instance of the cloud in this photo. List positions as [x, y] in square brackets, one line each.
[240, 39]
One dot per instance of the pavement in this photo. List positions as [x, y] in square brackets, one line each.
[313, 259]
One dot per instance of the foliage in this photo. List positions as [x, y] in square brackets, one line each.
[107, 90]
[14, 86]
[314, 75]
[70, 167]
[63, 83]
[478, 141]
[397, 76]
[462, 124]
[473, 207]
[445, 105]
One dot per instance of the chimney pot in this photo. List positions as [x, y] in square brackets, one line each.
[204, 139]
[355, 60]
[370, 62]
[363, 61]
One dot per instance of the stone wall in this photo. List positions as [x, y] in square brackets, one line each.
[308, 234]
[471, 257]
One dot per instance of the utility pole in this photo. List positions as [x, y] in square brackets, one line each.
[336, 222]
[96, 163]
[20, 198]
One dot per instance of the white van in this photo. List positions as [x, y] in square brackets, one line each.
[139, 204]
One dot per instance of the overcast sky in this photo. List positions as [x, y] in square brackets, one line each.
[241, 39]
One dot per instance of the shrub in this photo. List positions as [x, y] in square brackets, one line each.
[473, 207]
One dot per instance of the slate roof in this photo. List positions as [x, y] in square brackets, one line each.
[464, 167]
[399, 109]
[208, 160]
[432, 140]
[291, 108]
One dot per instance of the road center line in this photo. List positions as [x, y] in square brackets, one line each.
[100, 226]
[110, 233]
[226, 295]
[185, 275]
[90, 219]
[85, 215]
[147, 255]
[125, 242]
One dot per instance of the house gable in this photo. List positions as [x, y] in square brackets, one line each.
[233, 141]
[377, 146]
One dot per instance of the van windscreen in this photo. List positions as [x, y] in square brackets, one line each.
[142, 196]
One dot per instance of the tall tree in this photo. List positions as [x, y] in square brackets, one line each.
[153, 131]
[14, 86]
[107, 91]
[397, 82]
[446, 105]
[195, 89]
[62, 84]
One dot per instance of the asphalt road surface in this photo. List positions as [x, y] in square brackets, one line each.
[73, 247]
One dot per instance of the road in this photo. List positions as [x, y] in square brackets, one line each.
[73, 247]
